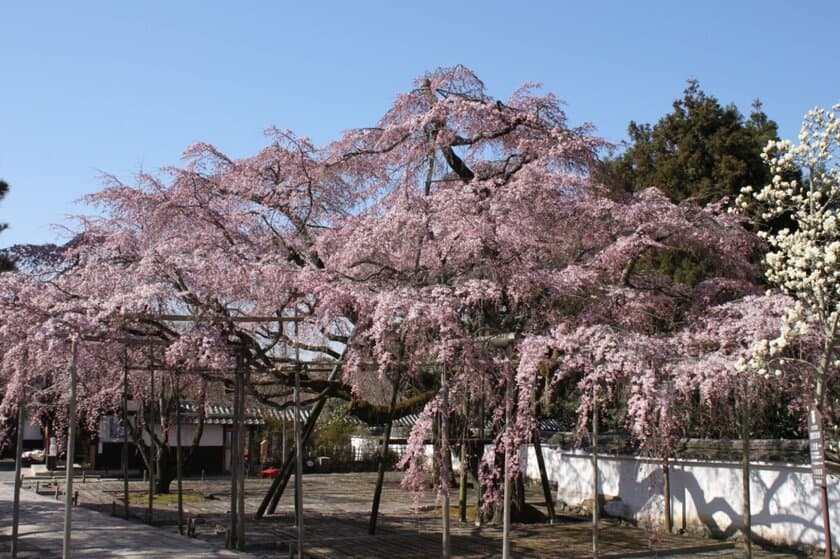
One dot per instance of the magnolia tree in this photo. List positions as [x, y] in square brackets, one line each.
[804, 257]
[459, 232]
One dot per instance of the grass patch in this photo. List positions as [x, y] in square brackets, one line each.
[142, 498]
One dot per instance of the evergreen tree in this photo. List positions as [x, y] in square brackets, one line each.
[701, 150]
[5, 263]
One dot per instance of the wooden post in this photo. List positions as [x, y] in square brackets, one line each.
[179, 472]
[380, 477]
[283, 450]
[666, 476]
[826, 520]
[462, 482]
[150, 425]
[745, 474]
[298, 465]
[479, 493]
[278, 486]
[242, 376]
[506, 496]
[125, 433]
[595, 502]
[71, 450]
[234, 462]
[549, 500]
[816, 445]
[21, 423]
[446, 456]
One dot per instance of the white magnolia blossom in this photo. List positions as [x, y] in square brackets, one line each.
[803, 259]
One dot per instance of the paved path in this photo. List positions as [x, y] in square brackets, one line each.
[94, 535]
[336, 509]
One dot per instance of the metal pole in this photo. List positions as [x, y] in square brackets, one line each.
[595, 503]
[125, 434]
[18, 467]
[445, 460]
[71, 450]
[506, 509]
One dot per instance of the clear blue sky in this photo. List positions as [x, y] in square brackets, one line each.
[87, 87]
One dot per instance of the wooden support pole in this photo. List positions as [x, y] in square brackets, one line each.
[179, 466]
[71, 450]
[826, 521]
[507, 488]
[298, 469]
[234, 464]
[479, 490]
[150, 425]
[240, 472]
[596, 505]
[125, 434]
[462, 482]
[446, 462]
[745, 474]
[21, 424]
[383, 456]
[549, 500]
[666, 477]
[278, 486]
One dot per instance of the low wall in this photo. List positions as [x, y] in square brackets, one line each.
[705, 496]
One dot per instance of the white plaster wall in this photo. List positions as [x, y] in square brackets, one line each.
[705, 496]
[368, 447]
[32, 431]
[211, 436]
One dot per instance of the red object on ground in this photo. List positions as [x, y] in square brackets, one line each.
[270, 472]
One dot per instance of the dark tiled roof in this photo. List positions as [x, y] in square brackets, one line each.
[222, 414]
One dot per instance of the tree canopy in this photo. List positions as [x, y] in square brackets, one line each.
[702, 150]
[5, 263]
[460, 231]
[804, 259]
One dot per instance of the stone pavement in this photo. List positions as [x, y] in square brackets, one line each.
[41, 530]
